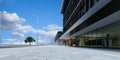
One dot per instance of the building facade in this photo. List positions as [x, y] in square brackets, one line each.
[58, 35]
[94, 23]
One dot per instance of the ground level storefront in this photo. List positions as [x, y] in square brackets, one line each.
[107, 36]
[68, 42]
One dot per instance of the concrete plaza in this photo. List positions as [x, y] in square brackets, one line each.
[57, 53]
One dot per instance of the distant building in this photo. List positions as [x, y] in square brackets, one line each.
[58, 35]
[94, 23]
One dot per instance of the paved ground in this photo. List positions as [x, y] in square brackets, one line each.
[57, 53]
[12, 45]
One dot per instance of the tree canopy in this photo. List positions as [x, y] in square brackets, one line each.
[29, 40]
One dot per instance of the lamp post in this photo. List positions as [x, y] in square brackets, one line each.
[1, 16]
[1, 19]
[0, 28]
[37, 27]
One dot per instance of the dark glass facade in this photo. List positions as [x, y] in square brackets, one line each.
[105, 36]
[59, 33]
[80, 18]
[75, 9]
[104, 12]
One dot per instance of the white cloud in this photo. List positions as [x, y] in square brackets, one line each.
[41, 41]
[50, 30]
[10, 20]
[25, 28]
[16, 34]
[53, 27]
[48, 35]
[13, 41]
[22, 20]
[45, 36]
[10, 17]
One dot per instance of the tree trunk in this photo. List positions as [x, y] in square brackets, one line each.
[29, 43]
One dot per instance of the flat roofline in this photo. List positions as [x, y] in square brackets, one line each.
[63, 3]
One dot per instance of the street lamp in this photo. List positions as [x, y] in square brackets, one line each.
[0, 28]
[37, 27]
[1, 18]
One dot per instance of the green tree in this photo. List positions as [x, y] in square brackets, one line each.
[29, 40]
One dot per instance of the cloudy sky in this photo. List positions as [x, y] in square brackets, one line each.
[18, 20]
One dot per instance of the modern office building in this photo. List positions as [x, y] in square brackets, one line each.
[58, 35]
[94, 23]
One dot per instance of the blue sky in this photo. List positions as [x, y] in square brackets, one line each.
[19, 19]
